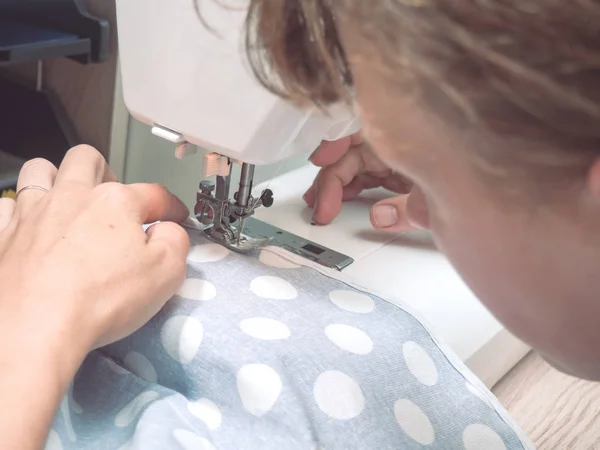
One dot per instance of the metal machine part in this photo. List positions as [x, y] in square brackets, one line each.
[225, 218]
[229, 222]
[260, 231]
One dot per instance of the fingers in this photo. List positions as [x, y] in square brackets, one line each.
[84, 165]
[402, 213]
[348, 168]
[172, 234]
[155, 203]
[330, 152]
[397, 183]
[356, 138]
[330, 183]
[351, 191]
[7, 209]
[36, 172]
[390, 215]
[165, 270]
[361, 183]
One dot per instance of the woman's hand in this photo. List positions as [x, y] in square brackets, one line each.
[77, 271]
[349, 167]
[77, 256]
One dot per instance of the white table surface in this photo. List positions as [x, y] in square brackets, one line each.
[407, 266]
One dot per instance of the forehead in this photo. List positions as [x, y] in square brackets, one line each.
[399, 129]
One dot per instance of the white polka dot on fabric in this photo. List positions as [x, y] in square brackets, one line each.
[259, 387]
[414, 422]
[338, 395]
[349, 338]
[352, 301]
[420, 363]
[477, 393]
[197, 289]
[181, 337]
[53, 442]
[269, 258]
[128, 414]
[206, 253]
[273, 288]
[207, 411]
[141, 366]
[265, 329]
[477, 436]
[191, 441]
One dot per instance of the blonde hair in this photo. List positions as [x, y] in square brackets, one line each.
[526, 71]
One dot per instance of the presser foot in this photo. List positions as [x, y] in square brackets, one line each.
[257, 234]
[230, 224]
[241, 244]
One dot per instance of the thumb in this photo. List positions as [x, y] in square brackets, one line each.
[390, 215]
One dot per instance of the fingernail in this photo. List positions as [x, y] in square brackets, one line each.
[385, 216]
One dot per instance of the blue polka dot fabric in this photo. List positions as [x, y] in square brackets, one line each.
[258, 352]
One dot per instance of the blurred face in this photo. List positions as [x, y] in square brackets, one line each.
[536, 269]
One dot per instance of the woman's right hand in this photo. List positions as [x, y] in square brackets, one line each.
[348, 166]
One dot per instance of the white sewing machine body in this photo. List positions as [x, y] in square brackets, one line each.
[181, 76]
[194, 87]
[185, 73]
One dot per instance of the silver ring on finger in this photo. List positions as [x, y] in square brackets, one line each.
[31, 186]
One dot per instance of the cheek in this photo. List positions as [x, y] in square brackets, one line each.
[528, 284]
[492, 263]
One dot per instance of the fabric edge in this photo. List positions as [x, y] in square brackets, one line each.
[450, 355]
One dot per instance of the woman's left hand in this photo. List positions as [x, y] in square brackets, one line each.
[77, 271]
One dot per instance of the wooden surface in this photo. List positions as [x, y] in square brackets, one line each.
[556, 411]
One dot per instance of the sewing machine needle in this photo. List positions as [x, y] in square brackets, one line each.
[239, 230]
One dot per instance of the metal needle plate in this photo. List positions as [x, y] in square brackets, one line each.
[261, 231]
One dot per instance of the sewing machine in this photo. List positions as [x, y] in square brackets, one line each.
[202, 94]
[193, 86]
